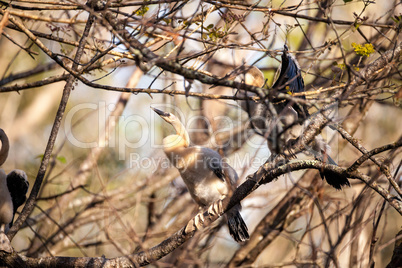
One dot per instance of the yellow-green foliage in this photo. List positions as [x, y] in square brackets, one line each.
[342, 66]
[141, 11]
[363, 50]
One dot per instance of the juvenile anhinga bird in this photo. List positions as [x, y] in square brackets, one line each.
[207, 177]
[13, 188]
[291, 81]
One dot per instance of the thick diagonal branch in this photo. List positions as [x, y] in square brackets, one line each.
[30, 204]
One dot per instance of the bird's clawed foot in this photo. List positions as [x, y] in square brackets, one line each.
[215, 208]
[198, 222]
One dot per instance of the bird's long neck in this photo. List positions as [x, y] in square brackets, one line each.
[175, 148]
[173, 143]
[182, 132]
[5, 146]
[176, 144]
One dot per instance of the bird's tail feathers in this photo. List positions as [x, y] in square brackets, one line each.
[334, 179]
[237, 227]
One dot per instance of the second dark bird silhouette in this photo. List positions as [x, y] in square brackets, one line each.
[290, 81]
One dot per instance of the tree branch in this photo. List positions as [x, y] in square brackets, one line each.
[30, 203]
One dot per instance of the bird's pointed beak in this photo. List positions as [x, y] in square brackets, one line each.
[160, 113]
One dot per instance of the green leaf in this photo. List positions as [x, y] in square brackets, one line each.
[342, 66]
[357, 25]
[62, 159]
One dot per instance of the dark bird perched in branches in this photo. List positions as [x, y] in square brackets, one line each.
[291, 114]
[207, 177]
[290, 81]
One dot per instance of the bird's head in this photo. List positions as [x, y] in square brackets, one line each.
[168, 117]
[177, 125]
